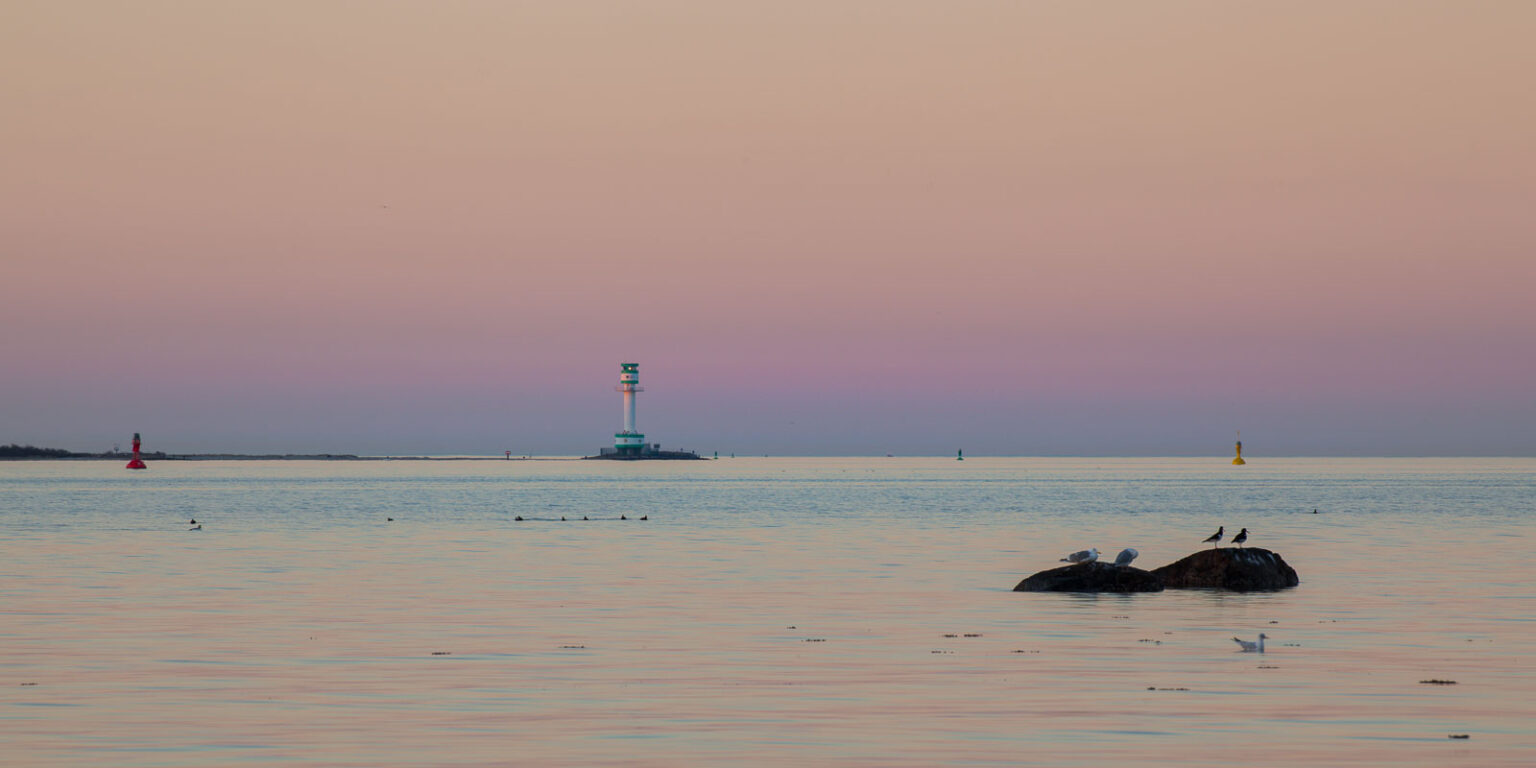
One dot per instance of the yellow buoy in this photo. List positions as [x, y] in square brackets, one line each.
[1239, 459]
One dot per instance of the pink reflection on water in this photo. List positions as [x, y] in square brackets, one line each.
[743, 636]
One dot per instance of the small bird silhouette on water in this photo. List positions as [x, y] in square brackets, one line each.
[193, 521]
[1255, 647]
[621, 517]
[389, 519]
[583, 517]
[645, 517]
[562, 518]
[1085, 556]
[1241, 537]
[519, 518]
[1215, 538]
[196, 528]
[1126, 556]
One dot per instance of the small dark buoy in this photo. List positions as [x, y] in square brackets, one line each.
[519, 518]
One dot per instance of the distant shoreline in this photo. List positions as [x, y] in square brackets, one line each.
[48, 454]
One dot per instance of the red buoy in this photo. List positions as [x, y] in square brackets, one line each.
[137, 462]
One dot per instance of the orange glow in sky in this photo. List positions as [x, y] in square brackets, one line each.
[820, 227]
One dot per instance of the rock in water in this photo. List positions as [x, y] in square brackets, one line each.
[1240, 570]
[1091, 577]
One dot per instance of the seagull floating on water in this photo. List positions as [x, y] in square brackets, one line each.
[1241, 537]
[1215, 538]
[1085, 556]
[1255, 647]
[1126, 556]
[198, 527]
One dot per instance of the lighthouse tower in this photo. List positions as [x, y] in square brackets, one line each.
[629, 442]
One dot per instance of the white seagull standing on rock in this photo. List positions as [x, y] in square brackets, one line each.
[1126, 556]
[1085, 556]
[1248, 647]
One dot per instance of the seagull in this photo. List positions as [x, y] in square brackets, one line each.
[1085, 556]
[1126, 556]
[1215, 538]
[1241, 537]
[1252, 647]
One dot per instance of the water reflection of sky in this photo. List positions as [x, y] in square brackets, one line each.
[771, 611]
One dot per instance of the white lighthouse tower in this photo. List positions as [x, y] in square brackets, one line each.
[630, 441]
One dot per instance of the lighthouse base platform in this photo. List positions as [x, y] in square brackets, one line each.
[649, 453]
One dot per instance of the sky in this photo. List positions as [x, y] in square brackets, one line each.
[1013, 228]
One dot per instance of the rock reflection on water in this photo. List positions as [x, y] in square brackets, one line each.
[771, 611]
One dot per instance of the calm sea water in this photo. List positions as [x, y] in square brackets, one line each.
[770, 612]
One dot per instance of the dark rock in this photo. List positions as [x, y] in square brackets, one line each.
[1091, 577]
[1241, 570]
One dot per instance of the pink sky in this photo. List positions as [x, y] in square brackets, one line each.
[853, 227]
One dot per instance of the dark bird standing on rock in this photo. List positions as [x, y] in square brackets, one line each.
[1215, 538]
[1241, 537]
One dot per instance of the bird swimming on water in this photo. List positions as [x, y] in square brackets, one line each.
[1126, 556]
[1241, 537]
[1255, 647]
[1215, 538]
[1085, 556]
[198, 527]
